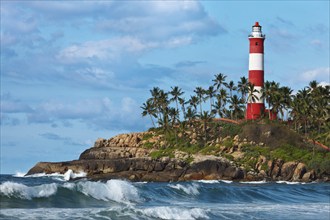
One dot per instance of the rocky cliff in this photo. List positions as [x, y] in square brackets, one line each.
[130, 156]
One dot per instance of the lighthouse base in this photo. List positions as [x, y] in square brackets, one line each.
[254, 110]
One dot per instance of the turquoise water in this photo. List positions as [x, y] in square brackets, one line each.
[52, 197]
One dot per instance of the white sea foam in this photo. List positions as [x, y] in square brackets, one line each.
[191, 189]
[290, 183]
[66, 176]
[165, 212]
[19, 174]
[44, 175]
[254, 182]
[19, 190]
[208, 181]
[226, 181]
[115, 190]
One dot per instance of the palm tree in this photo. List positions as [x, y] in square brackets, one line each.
[200, 94]
[183, 102]
[191, 115]
[155, 92]
[221, 102]
[320, 108]
[275, 98]
[236, 105]
[210, 94]
[231, 86]
[304, 100]
[266, 94]
[312, 85]
[149, 109]
[176, 92]
[252, 96]
[163, 103]
[174, 115]
[219, 80]
[286, 92]
[205, 117]
[242, 87]
[277, 104]
[193, 101]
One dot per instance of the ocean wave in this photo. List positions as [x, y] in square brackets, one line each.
[165, 212]
[19, 174]
[68, 175]
[71, 175]
[318, 211]
[112, 190]
[18, 190]
[190, 189]
[115, 190]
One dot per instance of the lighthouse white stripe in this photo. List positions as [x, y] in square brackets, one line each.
[256, 61]
[258, 95]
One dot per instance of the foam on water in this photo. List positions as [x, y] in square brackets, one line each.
[19, 174]
[254, 182]
[115, 190]
[165, 212]
[226, 181]
[18, 190]
[223, 211]
[71, 175]
[66, 176]
[290, 183]
[191, 189]
[208, 181]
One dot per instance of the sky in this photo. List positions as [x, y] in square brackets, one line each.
[74, 71]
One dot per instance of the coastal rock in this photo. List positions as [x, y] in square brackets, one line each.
[287, 170]
[99, 142]
[128, 156]
[309, 176]
[299, 172]
[146, 169]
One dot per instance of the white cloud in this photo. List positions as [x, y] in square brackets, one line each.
[110, 49]
[318, 74]
[97, 113]
[323, 84]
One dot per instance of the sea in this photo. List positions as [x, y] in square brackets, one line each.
[71, 196]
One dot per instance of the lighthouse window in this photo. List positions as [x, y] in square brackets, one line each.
[257, 43]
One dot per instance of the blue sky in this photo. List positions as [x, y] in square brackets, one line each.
[73, 71]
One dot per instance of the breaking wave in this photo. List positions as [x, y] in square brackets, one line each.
[50, 195]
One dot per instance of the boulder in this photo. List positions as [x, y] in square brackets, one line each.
[309, 176]
[299, 172]
[287, 170]
[99, 142]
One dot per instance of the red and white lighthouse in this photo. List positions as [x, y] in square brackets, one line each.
[255, 108]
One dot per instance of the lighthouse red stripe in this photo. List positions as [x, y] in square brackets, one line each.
[254, 110]
[256, 45]
[256, 77]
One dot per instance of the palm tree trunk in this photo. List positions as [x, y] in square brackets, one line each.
[153, 123]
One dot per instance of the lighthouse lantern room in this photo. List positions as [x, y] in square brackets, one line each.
[256, 107]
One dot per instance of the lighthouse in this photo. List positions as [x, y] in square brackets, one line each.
[255, 108]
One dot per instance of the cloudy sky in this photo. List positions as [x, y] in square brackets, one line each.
[73, 71]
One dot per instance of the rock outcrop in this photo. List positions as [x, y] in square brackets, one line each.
[128, 156]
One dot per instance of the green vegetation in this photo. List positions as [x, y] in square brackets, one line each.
[316, 159]
[189, 125]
